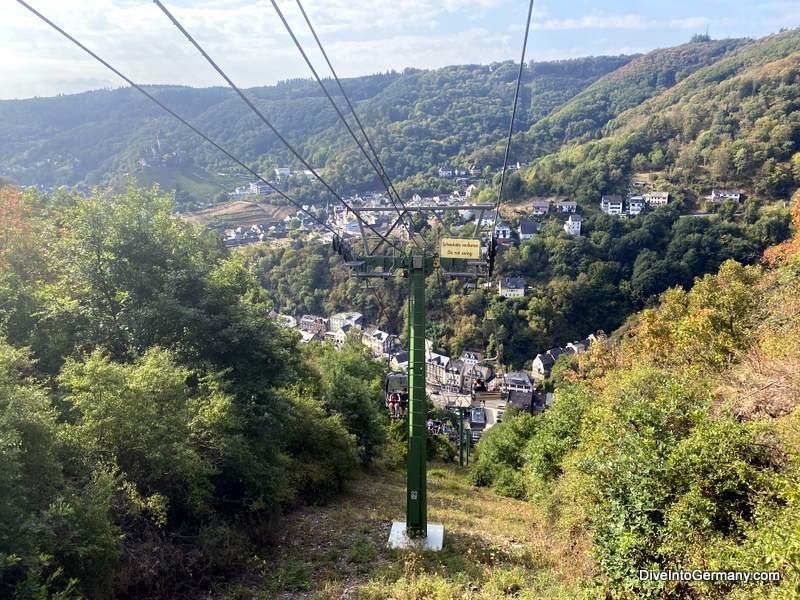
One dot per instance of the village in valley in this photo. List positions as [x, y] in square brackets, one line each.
[530, 214]
[449, 380]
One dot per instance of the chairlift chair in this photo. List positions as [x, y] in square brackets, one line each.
[480, 396]
[396, 380]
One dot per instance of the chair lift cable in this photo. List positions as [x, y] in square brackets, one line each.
[266, 122]
[376, 165]
[513, 115]
[172, 113]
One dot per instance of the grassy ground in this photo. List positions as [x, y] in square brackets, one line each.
[494, 547]
[200, 184]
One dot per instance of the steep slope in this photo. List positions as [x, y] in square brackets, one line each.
[676, 445]
[732, 123]
[648, 76]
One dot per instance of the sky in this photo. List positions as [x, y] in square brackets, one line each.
[247, 39]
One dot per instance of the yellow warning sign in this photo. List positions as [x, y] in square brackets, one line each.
[468, 248]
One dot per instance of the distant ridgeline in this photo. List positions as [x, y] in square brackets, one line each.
[704, 114]
[419, 119]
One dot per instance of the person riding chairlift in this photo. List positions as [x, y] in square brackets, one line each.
[403, 406]
[394, 403]
[480, 386]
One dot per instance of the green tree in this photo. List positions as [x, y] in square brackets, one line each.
[56, 538]
[352, 386]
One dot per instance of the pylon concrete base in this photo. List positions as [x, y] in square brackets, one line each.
[398, 538]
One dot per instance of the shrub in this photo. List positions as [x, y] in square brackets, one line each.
[501, 449]
[56, 540]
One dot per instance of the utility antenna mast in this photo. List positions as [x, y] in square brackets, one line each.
[463, 258]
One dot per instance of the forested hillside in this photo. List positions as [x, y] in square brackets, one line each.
[733, 123]
[703, 114]
[577, 285]
[585, 116]
[698, 115]
[154, 422]
[675, 445]
[418, 120]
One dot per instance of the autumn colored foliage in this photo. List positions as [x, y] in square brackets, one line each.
[791, 247]
[14, 218]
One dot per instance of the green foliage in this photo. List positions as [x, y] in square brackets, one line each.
[500, 455]
[668, 480]
[418, 120]
[182, 420]
[440, 447]
[352, 385]
[52, 534]
[142, 424]
[559, 431]
[318, 451]
[584, 116]
[710, 325]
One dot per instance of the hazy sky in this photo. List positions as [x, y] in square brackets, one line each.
[248, 40]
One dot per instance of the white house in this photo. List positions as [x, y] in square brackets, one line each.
[720, 194]
[502, 232]
[636, 205]
[344, 320]
[471, 358]
[540, 207]
[517, 381]
[283, 172]
[261, 188]
[612, 205]
[542, 365]
[656, 198]
[446, 171]
[241, 192]
[512, 287]
[573, 225]
[566, 206]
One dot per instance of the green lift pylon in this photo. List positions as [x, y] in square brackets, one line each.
[415, 265]
[416, 491]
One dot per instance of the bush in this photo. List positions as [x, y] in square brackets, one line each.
[143, 424]
[558, 432]
[667, 480]
[318, 451]
[501, 449]
[56, 540]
